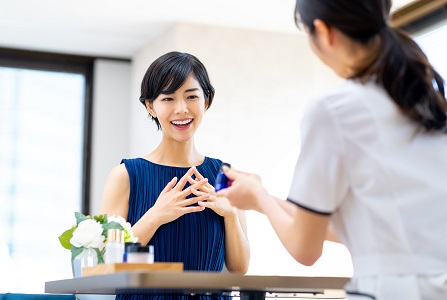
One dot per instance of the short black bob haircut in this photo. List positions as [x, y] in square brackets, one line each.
[168, 72]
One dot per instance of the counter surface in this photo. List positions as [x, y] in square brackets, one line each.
[190, 283]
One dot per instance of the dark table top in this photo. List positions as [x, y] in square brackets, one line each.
[143, 282]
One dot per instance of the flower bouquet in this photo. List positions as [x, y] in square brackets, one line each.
[91, 234]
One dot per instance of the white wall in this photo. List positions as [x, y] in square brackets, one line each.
[262, 82]
[110, 135]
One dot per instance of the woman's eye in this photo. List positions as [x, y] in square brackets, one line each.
[167, 99]
[192, 97]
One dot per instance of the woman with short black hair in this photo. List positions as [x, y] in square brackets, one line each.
[168, 195]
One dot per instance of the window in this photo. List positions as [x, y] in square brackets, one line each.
[434, 43]
[44, 140]
[426, 22]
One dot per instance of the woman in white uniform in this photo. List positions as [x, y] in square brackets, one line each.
[373, 160]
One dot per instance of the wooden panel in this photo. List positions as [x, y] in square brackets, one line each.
[113, 268]
[414, 11]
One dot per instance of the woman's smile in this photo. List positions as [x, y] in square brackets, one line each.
[182, 124]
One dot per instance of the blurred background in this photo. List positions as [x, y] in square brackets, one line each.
[70, 74]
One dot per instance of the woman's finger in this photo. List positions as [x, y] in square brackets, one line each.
[210, 205]
[184, 179]
[192, 180]
[222, 193]
[211, 197]
[231, 173]
[194, 200]
[197, 192]
[186, 192]
[170, 185]
[210, 188]
[200, 177]
[192, 209]
[207, 188]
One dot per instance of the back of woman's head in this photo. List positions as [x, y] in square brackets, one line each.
[400, 66]
[168, 73]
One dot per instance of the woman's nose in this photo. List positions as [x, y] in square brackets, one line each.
[181, 107]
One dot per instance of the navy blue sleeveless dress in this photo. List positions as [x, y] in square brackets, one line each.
[196, 239]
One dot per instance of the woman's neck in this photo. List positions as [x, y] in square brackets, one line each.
[361, 56]
[175, 153]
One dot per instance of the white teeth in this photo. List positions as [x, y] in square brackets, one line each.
[184, 122]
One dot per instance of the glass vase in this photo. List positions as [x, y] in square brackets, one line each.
[87, 258]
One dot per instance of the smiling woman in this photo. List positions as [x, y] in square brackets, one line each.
[180, 112]
[168, 195]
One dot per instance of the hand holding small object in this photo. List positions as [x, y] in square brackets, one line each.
[246, 190]
[219, 205]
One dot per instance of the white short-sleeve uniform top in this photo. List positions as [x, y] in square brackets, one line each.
[383, 180]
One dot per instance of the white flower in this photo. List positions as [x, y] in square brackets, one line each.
[128, 233]
[88, 234]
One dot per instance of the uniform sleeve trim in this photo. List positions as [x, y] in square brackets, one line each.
[323, 213]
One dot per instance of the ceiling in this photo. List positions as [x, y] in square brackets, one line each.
[112, 28]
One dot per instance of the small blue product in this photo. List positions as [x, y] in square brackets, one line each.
[221, 180]
[127, 247]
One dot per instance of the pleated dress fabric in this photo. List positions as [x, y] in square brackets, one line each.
[196, 239]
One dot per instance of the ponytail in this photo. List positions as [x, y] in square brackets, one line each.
[404, 71]
[400, 66]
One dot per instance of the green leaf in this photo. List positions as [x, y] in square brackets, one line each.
[79, 217]
[75, 251]
[100, 255]
[110, 225]
[65, 237]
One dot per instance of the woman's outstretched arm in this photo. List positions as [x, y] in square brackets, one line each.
[302, 232]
